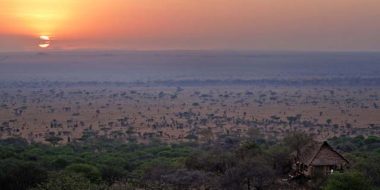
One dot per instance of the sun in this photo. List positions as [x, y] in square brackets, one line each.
[45, 41]
[44, 37]
[46, 45]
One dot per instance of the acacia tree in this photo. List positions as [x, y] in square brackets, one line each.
[291, 120]
[52, 139]
[295, 141]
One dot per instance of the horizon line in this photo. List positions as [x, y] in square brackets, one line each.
[85, 50]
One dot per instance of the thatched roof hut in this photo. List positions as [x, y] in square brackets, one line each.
[318, 158]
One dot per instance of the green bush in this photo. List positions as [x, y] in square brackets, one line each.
[348, 181]
[90, 172]
[20, 175]
[68, 181]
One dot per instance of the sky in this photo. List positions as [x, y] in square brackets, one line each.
[300, 25]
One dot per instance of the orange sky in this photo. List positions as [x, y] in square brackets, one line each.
[192, 24]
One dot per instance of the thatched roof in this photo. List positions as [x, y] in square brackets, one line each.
[320, 153]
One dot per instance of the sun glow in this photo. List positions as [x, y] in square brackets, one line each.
[189, 24]
[37, 16]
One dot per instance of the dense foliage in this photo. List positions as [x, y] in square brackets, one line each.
[228, 163]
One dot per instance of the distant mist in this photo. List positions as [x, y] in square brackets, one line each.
[144, 66]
